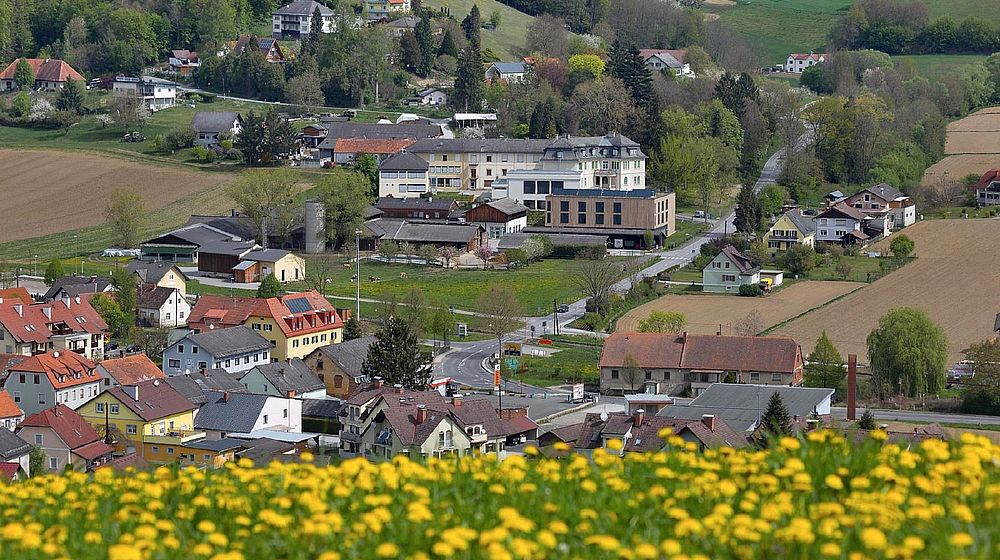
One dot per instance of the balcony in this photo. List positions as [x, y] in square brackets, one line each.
[176, 437]
[782, 236]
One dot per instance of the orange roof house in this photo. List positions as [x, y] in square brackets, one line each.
[39, 327]
[128, 370]
[57, 377]
[64, 433]
[16, 293]
[50, 73]
[10, 414]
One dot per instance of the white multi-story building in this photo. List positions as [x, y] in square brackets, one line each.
[798, 62]
[294, 20]
[471, 163]
[156, 93]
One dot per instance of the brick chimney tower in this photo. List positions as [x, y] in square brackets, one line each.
[638, 418]
[852, 386]
[421, 414]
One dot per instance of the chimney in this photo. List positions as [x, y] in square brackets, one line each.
[456, 401]
[638, 417]
[852, 387]
[132, 391]
[55, 354]
[281, 372]
[48, 312]
[812, 424]
[379, 382]
[709, 421]
[398, 388]
[19, 309]
[421, 413]
[225, 396]
[290, 394]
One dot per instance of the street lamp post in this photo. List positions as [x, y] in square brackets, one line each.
[357, 247]
[33, 259]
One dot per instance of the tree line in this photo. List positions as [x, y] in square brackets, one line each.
[905, 27]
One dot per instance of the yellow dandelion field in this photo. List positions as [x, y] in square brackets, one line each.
[817, 498]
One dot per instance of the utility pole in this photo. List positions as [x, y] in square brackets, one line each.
[555, 318]
[357, 247]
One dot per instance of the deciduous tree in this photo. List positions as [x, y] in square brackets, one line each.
[663, 322]
[24, 76]
[267, 199]
[123, 213]
[908, 353]
[500, 312]
[53, 271]
[901, 246]
[345, 197]
[981, 395]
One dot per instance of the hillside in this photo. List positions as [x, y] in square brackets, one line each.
[508, 40]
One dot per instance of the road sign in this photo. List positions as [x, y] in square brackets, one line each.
[512, 364]
[578, 391]
[496, 375]
[512, 348]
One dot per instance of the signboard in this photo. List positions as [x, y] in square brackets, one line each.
[512, 348]
[578, 391]
[512, 364]
[463, 329]
[496, 375]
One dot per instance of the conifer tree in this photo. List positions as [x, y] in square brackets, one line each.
[352, 329]
[749, 215]
[776, 419]
[867, 421]
[627, 65]
[397, 357]
[426, 42]
[447, 46]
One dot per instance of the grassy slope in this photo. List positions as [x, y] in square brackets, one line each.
[778, 27]
[934, 66]
[506, 41]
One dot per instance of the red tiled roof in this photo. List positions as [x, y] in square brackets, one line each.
[16, 293]
[130, 370]
[370, 145]
[987, 178]
[67, 369]
[222, 311]
[291, 323]
[45, 69]
[703, 352]
[93, 450]
[67, 424]
[31, 324]
[807, 56]
[132, 460]
[157, 399]
[9, 470]
[8, 408]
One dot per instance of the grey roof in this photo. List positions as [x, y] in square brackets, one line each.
[590, 147]
[195, 234]
[76, 285]
[234, 341]
[805, 224]
[475, 145]
[264, 449]
[188, 387]
[195, 385]
[152, 272]
[421, 232]
[516, 240]
[217, 445]
[321, 408]
[885, 191]
[403, 161]
[214, 121]
[509, 67]
[266, 255]
[303, 8]
[508, 206]
[371, 212]
[238, 413]
[349, 355]
[232, 248]
[415, 131]
[288, 376]
[741, 405]
[392, 203]
[601, 193]
[408, 22]
[12, 446]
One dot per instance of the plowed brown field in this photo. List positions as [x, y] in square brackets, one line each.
[705, 313]
[954, 279]
[972, 145]
[46, 192]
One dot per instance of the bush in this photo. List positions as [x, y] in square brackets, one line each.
[901, 246]
[180, 138]
[592, 321]
[750, 290]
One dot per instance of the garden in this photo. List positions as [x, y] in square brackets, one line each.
[821, 496]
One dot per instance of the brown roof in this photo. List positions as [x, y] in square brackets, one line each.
[157, 399]
[93, 450]
[67, 424]
[130, 370]
[222, 311]
[133, 460]
[703, 352]
[45, 69]
[64, 369]
[405, 426]
[152, 296]
[9, 408]
[842, 210]
[650, 350]
[9, 470]
[646, 436]
[370, 145]
[742, 263]
[16, 293]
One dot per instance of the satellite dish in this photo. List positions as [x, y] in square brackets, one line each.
[604, 416]
[187, 371]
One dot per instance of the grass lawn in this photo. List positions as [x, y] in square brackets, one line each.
[536, 285]
[934, 66]
[507, 41]
[861, 268]
[957, 212]
[571, 364]
[685, 231]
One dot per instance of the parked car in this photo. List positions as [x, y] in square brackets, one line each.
[563, 308]
[133, 137]
[111, 346]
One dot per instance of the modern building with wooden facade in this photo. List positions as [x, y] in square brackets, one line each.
[625, 216]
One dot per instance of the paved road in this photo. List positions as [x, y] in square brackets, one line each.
[465, 364]
[920, 416]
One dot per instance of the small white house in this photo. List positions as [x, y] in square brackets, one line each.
[162, 307]
[211, 127]
[156, 93]
[510, 72]
[673, 60]
[433, 97]
[798, 62]
[728, 271]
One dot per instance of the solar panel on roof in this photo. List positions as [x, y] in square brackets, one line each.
[298, 305]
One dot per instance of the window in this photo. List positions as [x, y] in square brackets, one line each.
[114, 408]
[246, 359]
[53, 463]
[202, 365]
[131, 429]
[564, 206]
[599, 219]
[776, 378]
[728, 277]
[99, 407]
[155, 449]
[35, 380]
[21, 376]
[754, 376]
[616, 219]
[268, 328]
[180, 348]
[17, 396]
[581, 218]
[599, 207]
[174, 363]
[194, 349]
[649, 374]
[206, 456]
[38, 439]
[229, 363]
[170, 451]
[284, 413]
[614, 374]
[41, 398]
[564, 218]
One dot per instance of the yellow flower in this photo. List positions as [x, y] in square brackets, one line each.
[206, 526]
[92, 537]
[830, 549]
[834, 482]
[604, 542]
[387, 550]
[670, 547]
[873, 538]
[124, 552]
[329, 555]
[961, 540]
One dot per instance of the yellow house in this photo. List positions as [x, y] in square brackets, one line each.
[136, 412]
[296, 324]
[791, 228]
[160, 274]
[190, 448]
[286, 266]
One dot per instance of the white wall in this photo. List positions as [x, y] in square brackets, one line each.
[275, 410]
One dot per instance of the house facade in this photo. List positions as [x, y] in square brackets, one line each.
[403, 175]
[667, 60]
[147, 408]
[296, 324]
[840, 224]
[471, 163]
[51, 74]
[184, 62]
[66, 439]
[510, 72]
[339, 365]
[673, 363]
[988, 188]
[228, 413]
[294, 20]
[433, 97]
[790, 229]
[382, 9]
[212, 127]
[44, 380]
[156, 93]
[258, 264]
[162, 307]
[884, 201]
[10, 414]
[69, 324]
[291, 379]
[159, 274]
[235, 349]
[499, 217]
[798, 62]
[728, 271]
[625, 216]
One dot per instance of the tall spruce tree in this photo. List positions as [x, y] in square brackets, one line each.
[472, 24]
[543, 120]
[352, 329]
[749, 215]
[468, 93]
[627, 65]
[447, 46]
[426, 42]
[396, 356]
[70, 97]
[776, 419]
